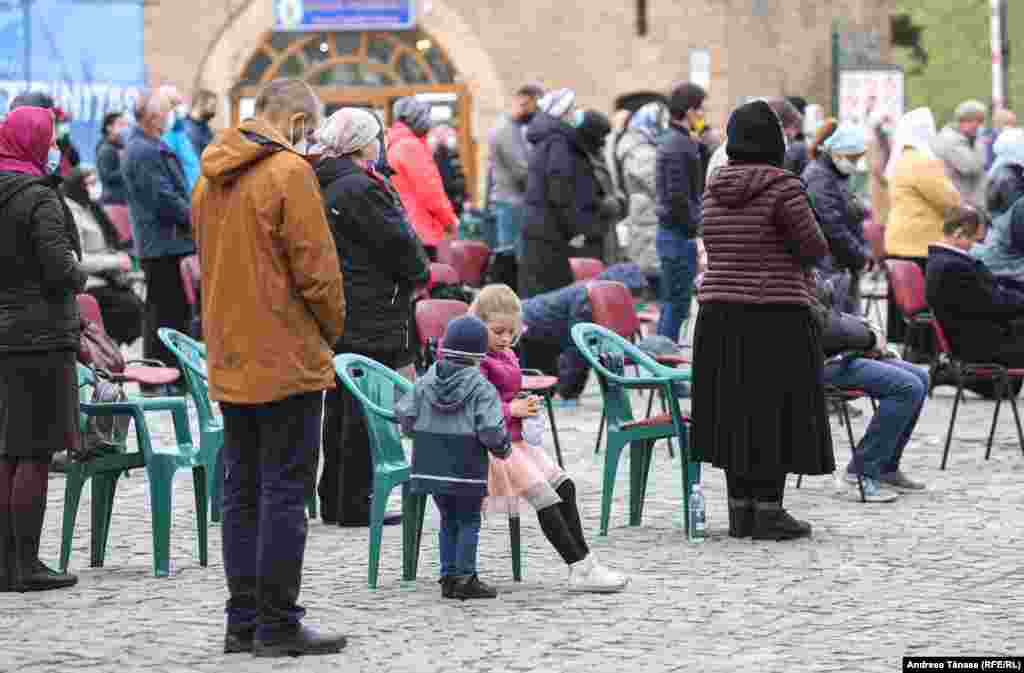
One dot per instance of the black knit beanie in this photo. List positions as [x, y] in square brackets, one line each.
[755, 135]
[465, 339]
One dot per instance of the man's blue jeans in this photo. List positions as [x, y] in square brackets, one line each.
[509, 223]
[900, 389]
[270, 456]
[460, 533]
[678, 256]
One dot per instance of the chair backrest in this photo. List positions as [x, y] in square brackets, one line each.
[469, 259]
[189, 268]
[612, 306]
[586, 268]
[376, 387]
[191, 355]
[433, 316]
[941, 339]
[121, 220]
[907, 282]
[444, 251]
[875, 236]
[442, 274]
[89, 309]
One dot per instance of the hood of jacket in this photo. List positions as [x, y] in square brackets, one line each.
[401, 131]
[11, 183]
[449, 386]
[237, 149]
[545, 126]
[738, 183]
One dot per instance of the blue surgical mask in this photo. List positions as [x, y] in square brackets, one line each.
[577, 119]
[53, 158]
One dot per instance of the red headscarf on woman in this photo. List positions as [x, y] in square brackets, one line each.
[25, 139]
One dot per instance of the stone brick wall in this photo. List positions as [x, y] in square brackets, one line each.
[757, 47]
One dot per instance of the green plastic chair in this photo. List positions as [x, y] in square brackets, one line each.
[606, 352]
[376, 387]
[160, 463]
[191, 355]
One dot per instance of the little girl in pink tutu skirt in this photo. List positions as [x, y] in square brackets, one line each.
[529, 474]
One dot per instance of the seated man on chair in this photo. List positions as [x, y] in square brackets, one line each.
[982, 314]
[858, 358]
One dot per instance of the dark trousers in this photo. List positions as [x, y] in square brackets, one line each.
[759, 488]
[459, 536]
[270, 455]
[165, 305]
[346, 481]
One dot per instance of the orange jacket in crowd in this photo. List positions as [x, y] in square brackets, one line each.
[273, 303]
[418, 183]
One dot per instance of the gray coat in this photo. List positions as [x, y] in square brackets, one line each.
[965, 163]
[636, 153]
[509, 162]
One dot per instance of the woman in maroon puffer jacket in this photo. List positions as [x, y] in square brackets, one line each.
[758, 403]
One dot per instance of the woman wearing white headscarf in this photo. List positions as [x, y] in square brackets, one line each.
[382, 261]
[920, 193]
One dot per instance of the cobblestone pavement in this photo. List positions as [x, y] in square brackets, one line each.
[936, 573]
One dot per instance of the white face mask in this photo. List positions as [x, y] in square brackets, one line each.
[844, 165]
[95, 191]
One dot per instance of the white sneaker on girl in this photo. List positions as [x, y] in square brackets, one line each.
[589, 576]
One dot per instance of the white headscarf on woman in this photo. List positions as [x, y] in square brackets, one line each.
[916, 129]
[347, 131]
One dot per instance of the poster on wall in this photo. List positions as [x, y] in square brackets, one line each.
[344, 14]
[67, 58]
[865, 92]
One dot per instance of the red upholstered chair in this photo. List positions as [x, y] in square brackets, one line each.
[469, 259]
[122, 222]
[442, 274]
[585, 268]
[143, 372]
[965, 372]
[907, 281]
[444, 251]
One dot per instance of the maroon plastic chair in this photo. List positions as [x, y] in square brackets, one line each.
[143, 372]
[965, 372]
[907, 281]
[469, 259]
[122, 222]
[432, 318]
[586, 268]
[442, 274]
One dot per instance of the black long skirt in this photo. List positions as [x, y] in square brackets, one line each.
[38, 404]
[758, 399]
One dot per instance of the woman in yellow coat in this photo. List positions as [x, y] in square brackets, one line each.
[920, 193]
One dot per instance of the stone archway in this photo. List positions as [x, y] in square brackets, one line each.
[223, 63]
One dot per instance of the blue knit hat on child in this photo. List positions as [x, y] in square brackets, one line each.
[465, 339]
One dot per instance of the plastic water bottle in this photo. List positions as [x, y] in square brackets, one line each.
[533, 430]
[695, 532]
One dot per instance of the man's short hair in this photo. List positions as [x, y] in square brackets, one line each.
[963, 218]
[685, 97]
[32, 99]
[530, 90]
[286, 95]
[787, 113]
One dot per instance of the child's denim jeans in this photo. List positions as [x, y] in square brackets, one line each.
[460, 533]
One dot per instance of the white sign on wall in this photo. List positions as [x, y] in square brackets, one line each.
[700, 67]
[865, 92]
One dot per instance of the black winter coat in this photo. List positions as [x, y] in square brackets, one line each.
[974, 307]
[679, 180]
[39, 271]
[382, 260]
[841, 222]
[561, 202]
